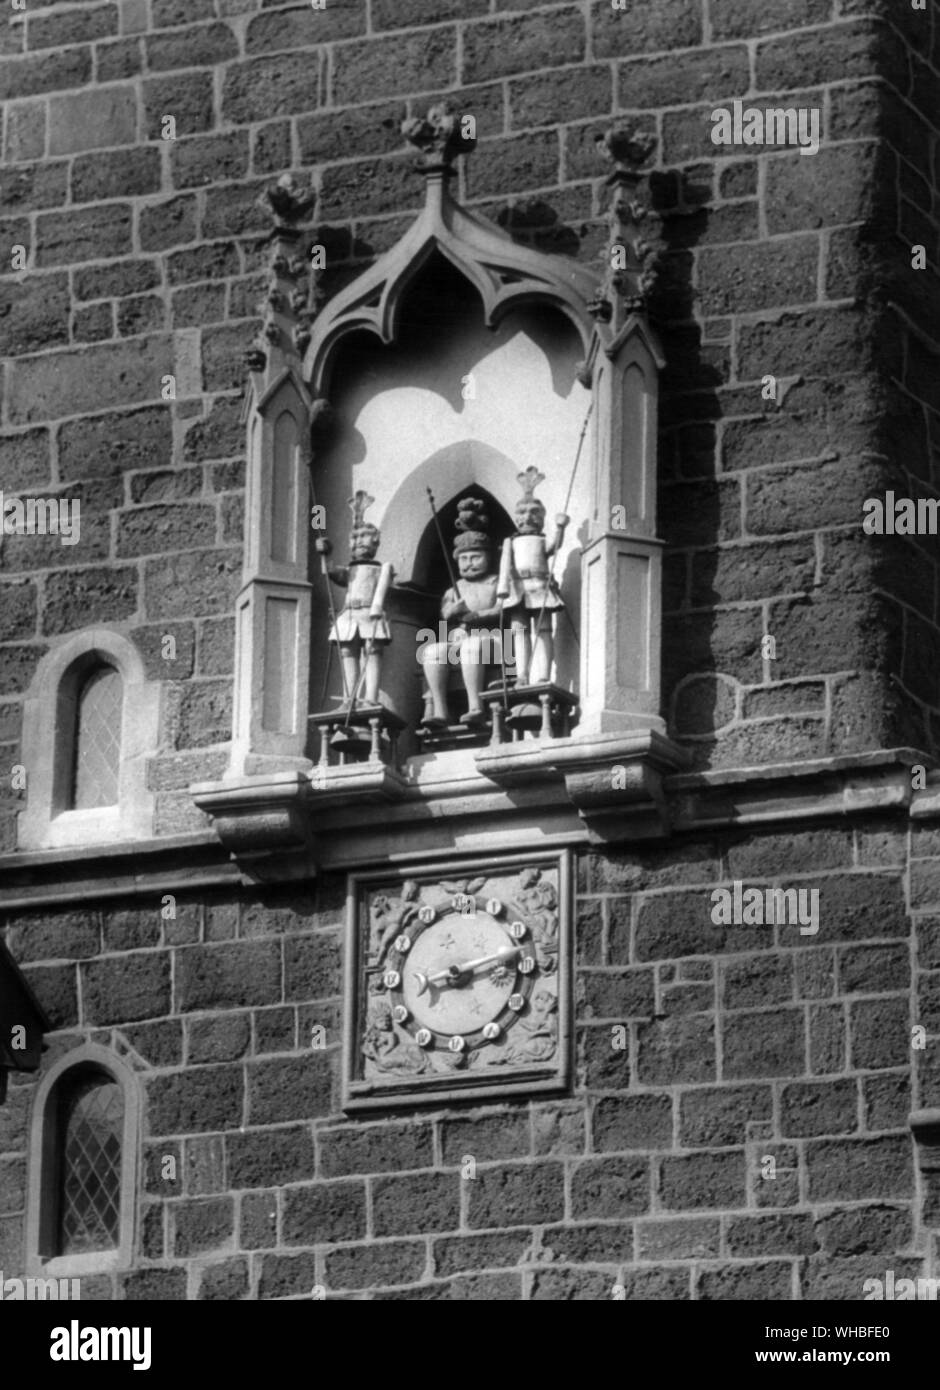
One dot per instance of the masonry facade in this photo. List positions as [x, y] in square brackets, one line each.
[750, 1135]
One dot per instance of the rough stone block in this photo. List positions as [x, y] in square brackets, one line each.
[313, 966]
[209, 159]
[75, 599]
[818, 1107]
[485, 1138]
[17, 611]
[645, 26]
[767, 1280]
[368, 1266]
[261, 88]
[292, 1088]
[301, 26]
[45, 72]
[770, 1043]
[375, 1149]
[225, 1038]
[703, 1180]
[224, 1282]
[456, 1254]
[880, 1033]
[92, 120]
[265, 1158]
[416, 1202]
[122, 989]
[678, 1238]
[721, 1115]
[187, 98]
[147, 1285]
[859, 1169]
[675, 1050]
[776, 1234]
[200, 1226]
[324, 1213]
[385, 67]
[70, 383]
[228, 976]
[201, 45]
[72, 27]
[607, 1187]
[633, 1122]
[83, 234]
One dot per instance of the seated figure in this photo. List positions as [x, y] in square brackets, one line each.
[473, 607]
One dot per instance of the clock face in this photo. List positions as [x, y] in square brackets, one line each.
[458, 984]
[460, 973]
[460, 977]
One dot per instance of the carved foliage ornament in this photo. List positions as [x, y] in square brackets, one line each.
[458, 984]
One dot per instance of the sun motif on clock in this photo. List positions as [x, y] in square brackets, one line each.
[458, 983]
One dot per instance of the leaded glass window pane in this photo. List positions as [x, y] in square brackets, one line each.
[98, 740]
[90, 1129]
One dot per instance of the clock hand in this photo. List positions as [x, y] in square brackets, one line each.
[454, 972]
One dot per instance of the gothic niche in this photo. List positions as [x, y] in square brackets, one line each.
[463, 439]
[451, 548]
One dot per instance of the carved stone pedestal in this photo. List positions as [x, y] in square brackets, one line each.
[368, 733]
[522, 712]
[531, 712]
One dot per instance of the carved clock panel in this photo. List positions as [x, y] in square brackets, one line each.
[458, 982]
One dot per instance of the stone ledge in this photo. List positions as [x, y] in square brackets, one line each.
[614, 781]
[848, 784]
[294, 824]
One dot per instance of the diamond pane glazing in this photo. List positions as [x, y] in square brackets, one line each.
[98, 740]
[90, 1197]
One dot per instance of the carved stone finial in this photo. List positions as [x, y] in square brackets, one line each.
[630, 268]
[441, 136]
[288, 200]
[626, 150]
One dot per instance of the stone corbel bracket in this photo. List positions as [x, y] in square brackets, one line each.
[281, 812]
[255, 816]
[614, 781]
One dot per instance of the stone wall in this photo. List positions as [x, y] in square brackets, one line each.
[742, 1045]
[145, 260]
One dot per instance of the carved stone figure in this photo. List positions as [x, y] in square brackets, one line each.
[361, 628]
[390, 916]
[385, 1049]
[540, 900]
[529, 595]
[473, 607]
[535, 1036]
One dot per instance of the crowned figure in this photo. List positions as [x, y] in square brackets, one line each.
[361, 628]
[529, 594]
